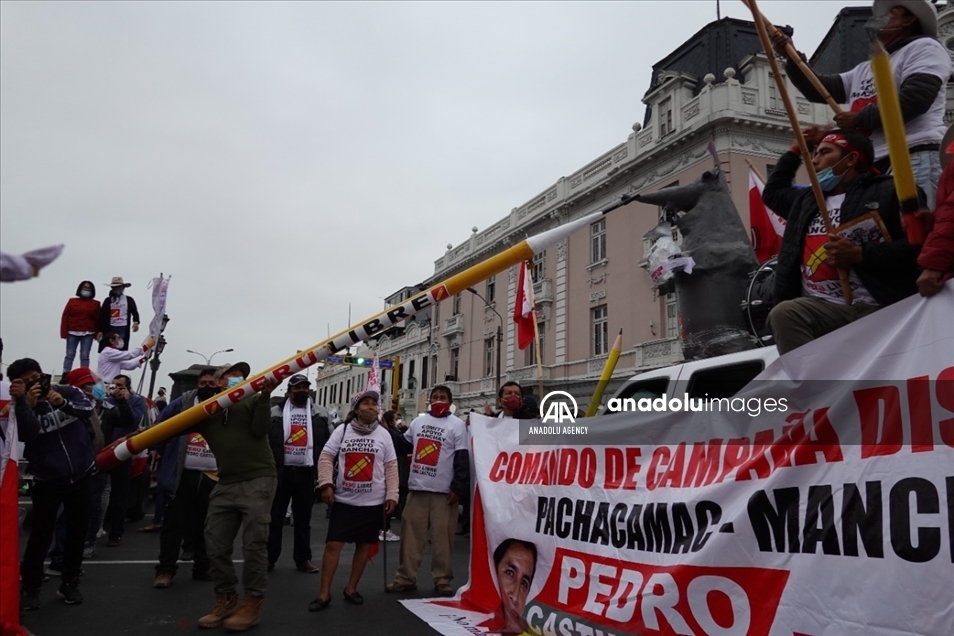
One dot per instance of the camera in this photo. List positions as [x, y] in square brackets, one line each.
[110, 389]
[45, 381]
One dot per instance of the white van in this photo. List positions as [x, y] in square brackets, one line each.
[719, 377]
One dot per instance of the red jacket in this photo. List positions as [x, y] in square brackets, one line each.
[80, 314]
[938, 250]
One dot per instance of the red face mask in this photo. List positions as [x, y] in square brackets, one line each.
[439, 409]
[512, 402]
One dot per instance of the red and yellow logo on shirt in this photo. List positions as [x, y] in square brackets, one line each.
[298, 436]
[428, 451]
[359, 466]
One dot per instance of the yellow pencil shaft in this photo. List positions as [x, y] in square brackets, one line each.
[605, 377]
[892, 123]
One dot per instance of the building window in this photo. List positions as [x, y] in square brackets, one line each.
[424, 376]
[454, 363]
[411, 380]
[672, 317]
[665, 117]
[437, 314]
[350, 392]
[598, 241]
[456, 303]
[538, 270]
[531, 353]
[600, 331]
[491, 291]
[488, 357]
[433, 370]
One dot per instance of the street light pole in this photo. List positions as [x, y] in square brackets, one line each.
[208, 360]
[499, 329]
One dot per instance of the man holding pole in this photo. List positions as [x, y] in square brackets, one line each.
[921, 68]
[238, 437]
[882, 265]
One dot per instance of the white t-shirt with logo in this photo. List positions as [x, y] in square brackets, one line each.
[298, 452]
[819, 279]
[361, 460]
[922, 56]
[198, 454]
[434, 441]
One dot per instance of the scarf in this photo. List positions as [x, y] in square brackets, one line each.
[308, 458]
[361, 428]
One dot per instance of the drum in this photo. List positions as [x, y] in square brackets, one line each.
[759, 300]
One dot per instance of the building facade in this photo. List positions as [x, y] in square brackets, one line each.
[595, 283]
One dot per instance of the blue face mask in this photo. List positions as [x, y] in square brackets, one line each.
[99, 393]
[86, 293]
[827, 178]
[234, 382]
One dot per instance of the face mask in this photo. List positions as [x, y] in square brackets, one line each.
[299, 398]
[205, 392]
[120, 344]
[512, 402]
[116, 291]
[86, 293]
[439, 409]
[827, 178]
[99, 393]
[234, 381]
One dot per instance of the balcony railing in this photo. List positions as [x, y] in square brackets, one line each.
[453, 326]
[658, 353]
[543, 291]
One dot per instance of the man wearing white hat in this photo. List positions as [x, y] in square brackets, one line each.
[921, 65]
[118, 314]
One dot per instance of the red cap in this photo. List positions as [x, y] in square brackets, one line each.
[79, 377]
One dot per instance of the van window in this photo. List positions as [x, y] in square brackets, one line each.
[724, 381]
[651, 388]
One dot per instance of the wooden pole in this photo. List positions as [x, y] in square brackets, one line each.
[795, 57]
[800, 138]
[755, 170]
[536, 338]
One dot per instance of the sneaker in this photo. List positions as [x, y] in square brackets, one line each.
[381, 535]
[114, 542]
[187, 555]
[70, 593]
[29, 599]
[89, 552]
[55, 569]
[100, 533]
[390, 536]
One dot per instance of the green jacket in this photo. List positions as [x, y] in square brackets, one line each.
[238, 437]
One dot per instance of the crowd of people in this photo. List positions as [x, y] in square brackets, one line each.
[244, 469]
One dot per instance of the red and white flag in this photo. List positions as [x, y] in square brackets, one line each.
[767, 227]
[9, 517]
[523, 308]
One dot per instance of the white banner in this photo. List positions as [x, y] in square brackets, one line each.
[160, 287]
[832, 516]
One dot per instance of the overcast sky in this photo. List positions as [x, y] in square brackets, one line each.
[282, 160]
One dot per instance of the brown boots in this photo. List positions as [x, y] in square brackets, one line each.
[248, 615]
[225, 606]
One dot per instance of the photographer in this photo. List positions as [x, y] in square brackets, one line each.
[123, 412]
[51, 421]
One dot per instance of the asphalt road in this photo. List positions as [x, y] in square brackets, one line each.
[120, 599]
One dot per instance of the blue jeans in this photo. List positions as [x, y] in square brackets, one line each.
[85, 344]
[927, 171]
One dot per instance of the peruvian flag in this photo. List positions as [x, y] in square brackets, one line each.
[767, 227]
[9, 517]
[523, 308]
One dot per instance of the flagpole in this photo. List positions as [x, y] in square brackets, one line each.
[754, 169]
[536, 337]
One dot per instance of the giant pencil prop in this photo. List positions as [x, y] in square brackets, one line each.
[606, 376]
[802, 146]
[357, 333]
[892, 123]
[795, 57]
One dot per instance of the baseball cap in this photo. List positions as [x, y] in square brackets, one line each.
[80, 376]
[360, 396]
[238, 366]
[297, 379]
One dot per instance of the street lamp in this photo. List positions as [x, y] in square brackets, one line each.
[208, 360]
[499, 329]
[160, 347]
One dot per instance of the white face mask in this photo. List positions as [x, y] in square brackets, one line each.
[234, 381]
[120, 343]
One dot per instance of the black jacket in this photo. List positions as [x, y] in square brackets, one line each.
[276, 434]
[888, 270]
[56, 441]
